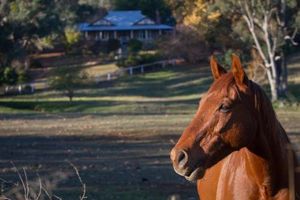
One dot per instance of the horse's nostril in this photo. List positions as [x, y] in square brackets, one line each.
[182, 158]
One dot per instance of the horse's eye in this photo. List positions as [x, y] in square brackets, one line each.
[224, 109]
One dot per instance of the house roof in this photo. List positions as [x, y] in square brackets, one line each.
[122, 20]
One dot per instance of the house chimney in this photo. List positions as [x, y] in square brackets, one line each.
[157, 17]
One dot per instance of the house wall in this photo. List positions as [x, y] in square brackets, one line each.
[143, 35]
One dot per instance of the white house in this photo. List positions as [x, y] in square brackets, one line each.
[124, 25]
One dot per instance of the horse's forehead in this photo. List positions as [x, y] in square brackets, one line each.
[222, 87]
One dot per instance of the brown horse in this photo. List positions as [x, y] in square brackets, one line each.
[235, 148]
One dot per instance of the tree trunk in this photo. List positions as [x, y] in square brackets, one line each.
[273, 85]
[284, 75]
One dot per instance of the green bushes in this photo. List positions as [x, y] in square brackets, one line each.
[10, 76]
[36, 64]
[112, 45]
[134, 46]
[133, 60]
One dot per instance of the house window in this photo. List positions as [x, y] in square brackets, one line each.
[105, 35]
[141, 35]
[150, 34]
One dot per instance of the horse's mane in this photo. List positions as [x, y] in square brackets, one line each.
[266, 114]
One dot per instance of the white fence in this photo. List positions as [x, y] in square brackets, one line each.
[140, 69]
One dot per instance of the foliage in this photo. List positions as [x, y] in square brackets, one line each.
[193, 49]
[154, 8]
[112, 45]
[138, 59]
[269, 26]
[35, 63]
[134, 45]
[72, 36]
[23, 76]
[31, 26]
[10, 76]
[67, 80]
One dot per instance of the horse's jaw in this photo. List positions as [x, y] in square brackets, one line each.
[198, 173]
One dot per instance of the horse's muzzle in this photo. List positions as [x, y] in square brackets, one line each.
[185, 166]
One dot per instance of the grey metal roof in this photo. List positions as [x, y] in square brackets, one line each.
[123, 20]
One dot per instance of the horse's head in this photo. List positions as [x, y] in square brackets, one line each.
[223, 123]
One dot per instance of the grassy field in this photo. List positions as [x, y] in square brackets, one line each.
[117, 133]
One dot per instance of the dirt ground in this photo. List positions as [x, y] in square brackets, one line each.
[114, 161]
[113, 166]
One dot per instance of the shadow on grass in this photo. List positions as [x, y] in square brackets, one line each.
[112, 167]
[167, 83]
[103, 108]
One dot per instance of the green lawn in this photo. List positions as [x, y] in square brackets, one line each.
[166, 91]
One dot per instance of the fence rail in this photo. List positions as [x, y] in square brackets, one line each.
[29, 88]
[139, 69]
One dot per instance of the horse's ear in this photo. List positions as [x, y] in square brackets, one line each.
[216, 69]
[238, 72]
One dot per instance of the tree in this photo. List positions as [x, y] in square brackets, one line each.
[272, 27]
[30, 26]
[72, 37]
[66, 80]
[193, 50]
[267, 25]
[155, 9]
[213, 28]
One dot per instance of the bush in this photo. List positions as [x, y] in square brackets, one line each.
[133, 60]
[23, 76]
[134, 45]
[149, 58]
[36, 64]
[10, 76]
[112, 45]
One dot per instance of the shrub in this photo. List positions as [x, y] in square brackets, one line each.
[134, 45]
[133, 60]
[36, 64]
[148, 58]
[23, 76]
[112, 45]
[10, 76]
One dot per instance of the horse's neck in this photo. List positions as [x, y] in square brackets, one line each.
[271, 140]
[271, 146]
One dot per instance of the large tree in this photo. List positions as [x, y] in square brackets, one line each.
[29, 25]
[267, 25]
[272, 26]
[155, 9]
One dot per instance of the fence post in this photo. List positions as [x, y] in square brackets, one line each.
[32, 87]
[142, 69]
[108, 76]
[131, 71]
[163, 64]
[97, 79]
[20, 89]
